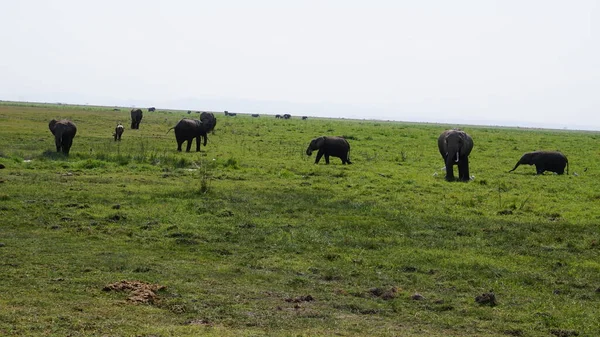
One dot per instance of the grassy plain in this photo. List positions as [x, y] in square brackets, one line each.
[250, 238]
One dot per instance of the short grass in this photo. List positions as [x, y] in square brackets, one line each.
[250, 238]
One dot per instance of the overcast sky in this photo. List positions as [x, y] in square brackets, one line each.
[509, 62]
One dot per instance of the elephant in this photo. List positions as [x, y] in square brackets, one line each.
[455, 146]
[188, 129]
[255, 115]
[552, 161]
[304, 118]
[277, 116]
[118, 131]
[151, 109]
[287, 116]
[63, 130]
[136, 118]
[330, 146]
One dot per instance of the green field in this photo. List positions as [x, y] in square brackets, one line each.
[249, 238]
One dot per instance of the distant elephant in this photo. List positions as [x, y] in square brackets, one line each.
[151, 109]
[330, 146]
[455, 147]
[277, 116]
[188, 129]
[136, 118]
[287, 116]
[118, 131]
[63, 131]
[255, 115]
[552, 161]
[304, 118]
[226, 113]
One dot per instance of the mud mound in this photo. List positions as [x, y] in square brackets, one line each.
[139, 292]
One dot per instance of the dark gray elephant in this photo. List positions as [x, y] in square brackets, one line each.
[455, 147]
[330, 146]
[277, 116]
[552, 161]
[287, 116]
[255, 115]
[190, 129]
[151, 109]
[136, 118]
[118, 131]
[63, 130]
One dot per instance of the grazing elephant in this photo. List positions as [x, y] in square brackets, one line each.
[63, 131]
[118, 131]
[255, 115]
[552, 161]
[455, 147]
[304, 118]
[188, 129]
[287, 116]
[136, 118]
[330, 146]
[277, 116]
[151, 109]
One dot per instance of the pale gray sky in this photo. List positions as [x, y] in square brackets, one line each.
[509, 62]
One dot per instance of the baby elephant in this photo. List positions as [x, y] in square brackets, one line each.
[330, 146]
[552, 161]
[118, 131]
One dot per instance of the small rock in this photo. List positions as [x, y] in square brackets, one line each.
[417, 297]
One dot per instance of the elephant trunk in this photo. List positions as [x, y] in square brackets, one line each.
[308, 151]
[514, 168]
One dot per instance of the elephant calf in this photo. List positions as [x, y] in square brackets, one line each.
[330, 146]
[63, 130]
[552, 161]
[118, 131]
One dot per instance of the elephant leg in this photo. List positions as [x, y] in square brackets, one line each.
[449, 173]
[205, 139]
[58, 144]
[319, 155]
[67, 145]
[539, 169]
[188, 146]
[327, 159]
[463, 170]
[198, 140]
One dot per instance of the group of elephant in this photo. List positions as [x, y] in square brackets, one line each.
[454, 145]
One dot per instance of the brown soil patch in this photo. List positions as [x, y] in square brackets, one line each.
[139, 292]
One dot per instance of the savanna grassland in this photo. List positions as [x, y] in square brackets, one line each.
[249, 238]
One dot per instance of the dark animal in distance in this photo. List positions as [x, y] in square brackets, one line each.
[226, 113]
[255, 115]
[287, 116]
[136, 118]
[277, 116]
[115, 109]
[151, 109]
[118, 131]
[330, 146]
[189, 112]
[63, 130]
[304, 117]
[552, 161]
[455, 147]
[231, 114]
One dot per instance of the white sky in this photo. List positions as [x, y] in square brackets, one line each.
[509, 62]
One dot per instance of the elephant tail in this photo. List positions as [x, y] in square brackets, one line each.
[169, 130]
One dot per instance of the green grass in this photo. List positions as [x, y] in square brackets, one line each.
[243, 231]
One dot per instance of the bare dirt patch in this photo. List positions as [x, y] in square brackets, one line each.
[139, 292]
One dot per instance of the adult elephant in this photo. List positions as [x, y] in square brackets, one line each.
[136, 118]
[455, 147]
[63, 130]
[552, 161]
[151, 109]
[190, 129]
[330, 146]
